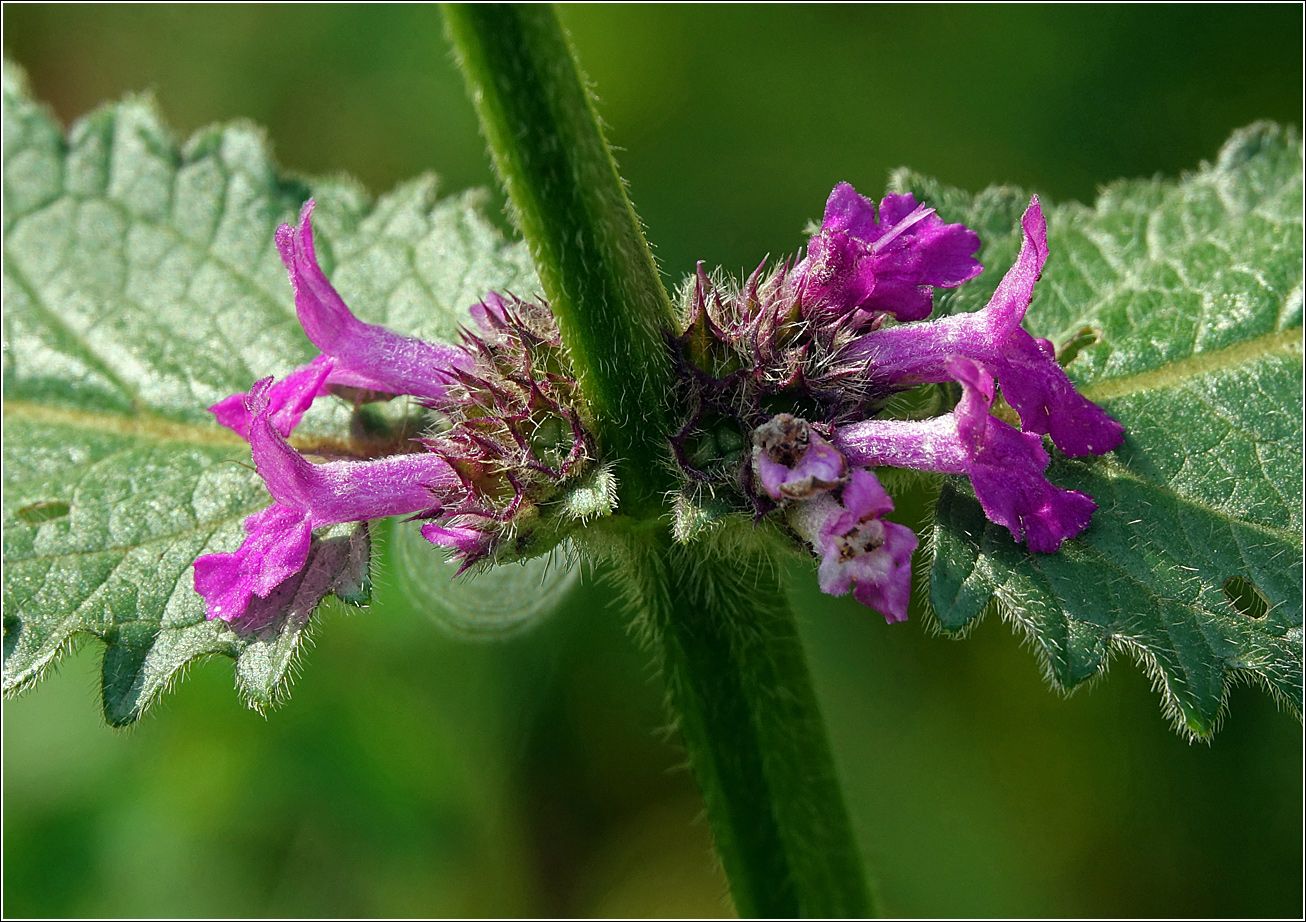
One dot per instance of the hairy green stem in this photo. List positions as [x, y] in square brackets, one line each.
[738, 681]
[589, 250]
[735, 669]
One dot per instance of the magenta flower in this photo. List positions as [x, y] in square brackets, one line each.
[1005, 465]
[805, 338]
[858, 548]
[513, 438]
[804, 357]
[890, 263]
[1026, 368]
[354, 353]
[308, 496]
[793, 462]
[288, 399]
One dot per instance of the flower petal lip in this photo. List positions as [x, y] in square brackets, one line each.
[288, 399]
[275, 548]
[887, 263]
[1005, 465]
[1036, 387]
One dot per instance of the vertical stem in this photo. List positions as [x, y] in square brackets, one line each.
[570, 203]
[735, 668]
[738, 681]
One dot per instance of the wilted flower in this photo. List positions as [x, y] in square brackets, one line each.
[793, 462]
[858, 548]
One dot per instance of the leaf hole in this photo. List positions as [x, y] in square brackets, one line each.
[1085, 337]
[1245, 598]
[43, 512]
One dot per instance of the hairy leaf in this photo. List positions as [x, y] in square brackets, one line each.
[140, 286]
[1178, 307]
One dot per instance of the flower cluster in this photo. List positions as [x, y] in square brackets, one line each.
[783, 379]
[506, 436]
[785, 339]
[803, 358]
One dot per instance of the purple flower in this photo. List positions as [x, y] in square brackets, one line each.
[889, 263]
[366, 356]
[793, 462]
[859, 549]
[308, 496]
[513, 436]
[1005, 465]
[808, 337]
[804, 357]
[354, 354]
[1026, 368]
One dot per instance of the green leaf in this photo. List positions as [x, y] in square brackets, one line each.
[1178, 307]
[141, 285]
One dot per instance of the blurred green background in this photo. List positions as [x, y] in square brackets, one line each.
[416, 773]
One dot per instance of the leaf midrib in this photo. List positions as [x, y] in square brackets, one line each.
[139, 425]
[1173, 374]
[151, 427]
[1114, 470]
